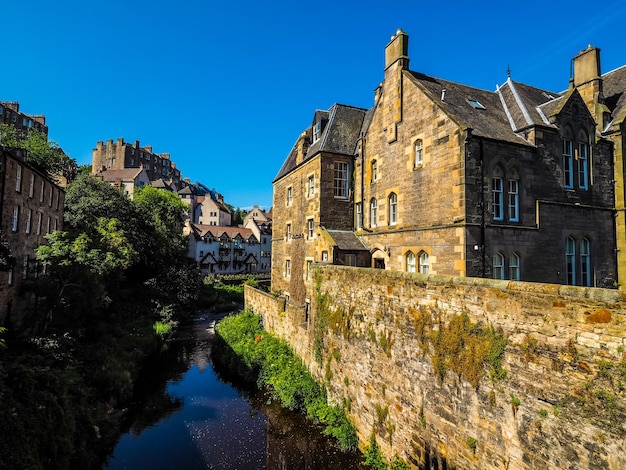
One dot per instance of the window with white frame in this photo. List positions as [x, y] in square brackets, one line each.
[498, 266]
[288, 268]
[410, 262]
[514, 267]
[31, 187]
[497, 198]
[393, 209]
[424, 264]
[359, 215]
[373, 212]
[513, 197]
[317, 131]
[309, 266]
[16, 218]
[288, 232]
[585, 262]
[18, 178]
[289, 195]
[309, 229]
[583, 160]
[570, 261]
[29, 220]
[418, 148]
[374, 169]
[568, 160]
[340, 180]
[311, 185]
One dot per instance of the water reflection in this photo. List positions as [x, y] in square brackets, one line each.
[189, 415]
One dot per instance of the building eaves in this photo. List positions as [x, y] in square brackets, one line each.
[346, 240]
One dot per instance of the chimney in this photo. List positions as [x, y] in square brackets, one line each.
[136, 144]
[398, 50]
[120, 141]
[149, 148]
[587, 80]
[301, 147]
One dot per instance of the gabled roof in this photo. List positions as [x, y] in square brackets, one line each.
[125, 174]
[614, 88]
[217, 231]
[160, 184]
[523, 104]
[339, 136]
[491, 121]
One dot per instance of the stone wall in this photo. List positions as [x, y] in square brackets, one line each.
[371, 336]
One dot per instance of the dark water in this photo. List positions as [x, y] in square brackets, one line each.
[190, 416]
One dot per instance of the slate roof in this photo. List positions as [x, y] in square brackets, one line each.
[160, 184]
[346, 240]
[339, 136]
[128, 174]
[614, 88]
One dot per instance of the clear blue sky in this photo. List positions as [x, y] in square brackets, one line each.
[226, 87]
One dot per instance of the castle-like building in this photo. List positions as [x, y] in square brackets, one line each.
[438, 177]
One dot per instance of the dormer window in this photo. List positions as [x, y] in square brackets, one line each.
[317, 131]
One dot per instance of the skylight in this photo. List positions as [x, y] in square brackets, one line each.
[476, 104]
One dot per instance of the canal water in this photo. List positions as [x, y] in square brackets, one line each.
[189, 414]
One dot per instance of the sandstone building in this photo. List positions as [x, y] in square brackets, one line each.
[119, 155]
[443, 178]
[10, 114]
[31, 207]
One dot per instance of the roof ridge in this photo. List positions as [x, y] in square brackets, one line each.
[519, 102]
[505, 107]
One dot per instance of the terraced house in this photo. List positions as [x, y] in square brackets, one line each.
[440, 177]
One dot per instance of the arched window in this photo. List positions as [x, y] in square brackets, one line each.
[393, 209]
[418, 148]
[570, 261]
[585, 262]
[513, 195]
[498, 266]
[568, 159]
[410, 262]
[514, 268]
[497, 192]
[583, 159]
[424, 263]
[373, 212]
[374, 170]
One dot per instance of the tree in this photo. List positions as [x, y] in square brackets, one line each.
[42, 153]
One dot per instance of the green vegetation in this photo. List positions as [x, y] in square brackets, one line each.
[466, 348]
[257, 355]
[543, 413]
[472, 443]
[374, 459]
[220, 297]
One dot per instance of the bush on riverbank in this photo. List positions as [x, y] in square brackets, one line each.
[256, 354]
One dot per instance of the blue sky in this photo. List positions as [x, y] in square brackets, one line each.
[226, 87]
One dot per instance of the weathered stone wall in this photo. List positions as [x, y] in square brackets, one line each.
[370, 335]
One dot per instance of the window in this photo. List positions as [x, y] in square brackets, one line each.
[48, 226]
[31, 187]
[498, 266]
[29, 219]
[288, 268]
[39, 218]
[310, 233]
[289, 196]
[41, 191]
[350, 259]
[11, 276]
[496, 188]
[56, 203]
[55, 227]
[393, 209]
[514, 272]
[340, 181]
[585, 264]
[513, 201]
[309, 265]
[423, 260]
[359, 215]
[419, 152]
[311, 185]
[570, 261]
[324, 255]
[374, 170]
[16, 218]
[373, 212]
[583, 165]
[317, 131]
[288, 233]
[18, 179]
[476, 104]
[50, 197]
[410, 262]
[568, 162]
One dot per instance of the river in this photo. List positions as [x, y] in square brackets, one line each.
[188, 414]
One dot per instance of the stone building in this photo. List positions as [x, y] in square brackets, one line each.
[10, 114]
[126, 179]
[211, 210]
[119, 155]
[31, 207]
[225, 250]
[443, 178]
